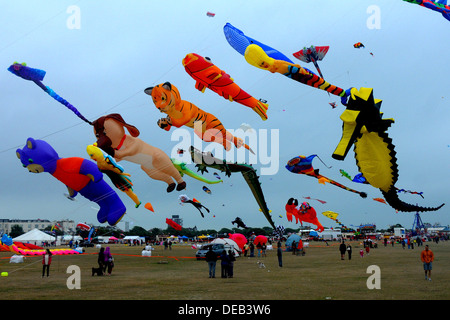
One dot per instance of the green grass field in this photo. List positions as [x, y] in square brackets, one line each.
[176, 275]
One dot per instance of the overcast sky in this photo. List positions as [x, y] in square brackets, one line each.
[101, 55]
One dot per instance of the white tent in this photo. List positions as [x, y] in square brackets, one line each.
[229, 244]
[34, 236]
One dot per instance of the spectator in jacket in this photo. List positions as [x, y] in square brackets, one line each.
[46, 262]
[225, 260]
[231, 259]
[101, 260]
[211, 258]
[427, 257]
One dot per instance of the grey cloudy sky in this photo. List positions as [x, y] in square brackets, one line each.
[122, 47]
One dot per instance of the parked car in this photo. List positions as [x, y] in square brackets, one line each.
[85, 244]
[217, 248]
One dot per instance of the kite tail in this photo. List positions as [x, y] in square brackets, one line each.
[61, 100]
[394, 201]
[37, 75]
[361, 194]
[238, 142]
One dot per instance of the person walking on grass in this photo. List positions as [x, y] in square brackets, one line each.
[427, 257]
[46, 262]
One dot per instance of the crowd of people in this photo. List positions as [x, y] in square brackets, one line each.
[226, 263]
[227, 259]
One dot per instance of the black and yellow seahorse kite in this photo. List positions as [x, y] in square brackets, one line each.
[364, 128]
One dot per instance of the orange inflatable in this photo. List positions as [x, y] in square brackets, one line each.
[208, 75]
[302, 213]
[166, 98]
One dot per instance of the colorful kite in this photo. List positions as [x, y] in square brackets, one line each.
[185, 199]
[239, 41]
[159, 169]
[409, 191]
[364, 128]
[260, 239]
[333, 216]
[107, 165]
[206, 190]
[16, 248]
[438, 6]
[256, 56]
[37, 75]
[239, 223]
[210, 14]
[206, 126]
[149, 206]
[208, 75]
[204, 160]
[303, 165]
[309, 198]
[83, 226]
[380, 200]
[357, 178]
[111, 138]
[302, 213]
[312, 54]
[359, 45]
[79, 175]
[173, 224]
[184, 170]
[240, 239]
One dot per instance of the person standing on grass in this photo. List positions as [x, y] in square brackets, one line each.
[280, 255]
[349, 251]
[109, 261]
[101, 260]
[46, 262]
[224, 263]
[342, 249]
[427, 257]
[211, 259]
[230, 263]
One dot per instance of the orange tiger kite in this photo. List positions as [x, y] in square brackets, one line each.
[208, 75]
[166, 98]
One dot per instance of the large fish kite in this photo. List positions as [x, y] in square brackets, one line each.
[438, 6]
[208, 75]
[303, 165]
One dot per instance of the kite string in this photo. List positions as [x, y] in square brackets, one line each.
[323, 162]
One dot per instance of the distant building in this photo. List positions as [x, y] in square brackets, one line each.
[177, 219]
[67, 226]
